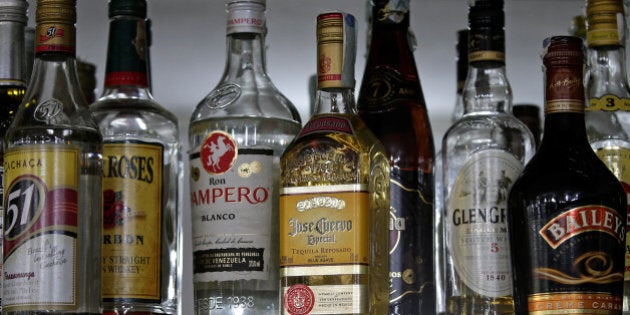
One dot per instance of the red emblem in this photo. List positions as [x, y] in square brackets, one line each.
[218, 152]
[299, 299]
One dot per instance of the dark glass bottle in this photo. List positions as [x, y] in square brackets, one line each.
[567, 211]
[392, 105]
[529, 114]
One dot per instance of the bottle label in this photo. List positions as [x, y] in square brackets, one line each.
[127, 54]
[324, 231]
[231, 199]
[326, 124]
[617, 159]
[385, 86]
[55, 38]
[607, 103]
[132, 214]
[486, 44]
[335, 50]
[576, 250]
[411, 236]
[40, 236]
[476, 220]
[605, 26]
[246, 21]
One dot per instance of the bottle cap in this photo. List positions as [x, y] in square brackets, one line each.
[336, 50]
[246, 16]
[486, 13]
[487, 37]
[56, 11]
[563, 51]
[563, 60]
[135, 8]
[605, 22]
[55, 26]
[13, 10]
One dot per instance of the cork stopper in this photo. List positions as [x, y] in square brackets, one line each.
[56, 11]
[605, 22]
[14, 11]
[135, 8]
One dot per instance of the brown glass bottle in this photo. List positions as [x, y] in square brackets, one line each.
[392, 105]
[567, 211]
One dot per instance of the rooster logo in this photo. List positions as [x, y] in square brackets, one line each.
[218, 152]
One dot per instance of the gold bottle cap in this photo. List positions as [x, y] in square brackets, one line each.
[336, 50]
[55, 26]
[605, 22]
[56, 11]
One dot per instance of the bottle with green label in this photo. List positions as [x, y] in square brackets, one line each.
[141, 175]
[608, 110]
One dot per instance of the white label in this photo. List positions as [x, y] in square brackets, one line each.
[325, 299]
[246, 21]
[476, 219]
[231, 201]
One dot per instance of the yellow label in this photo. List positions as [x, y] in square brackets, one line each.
[486, 55]
[617, 159]
[132, 208]
[574, 303]
[328, 227]
[608, 102]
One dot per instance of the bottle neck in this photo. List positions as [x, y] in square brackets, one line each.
[607, 71]
[246, 59]
[487, 88]
[12, 65]
[335, 100]
[127, 72]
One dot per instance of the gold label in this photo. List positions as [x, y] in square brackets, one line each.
[486, 55]
[574, 303]
[40, 230]
[608, 102]
[132, 208]
[330, 50]
[564, 106]
[55, 37]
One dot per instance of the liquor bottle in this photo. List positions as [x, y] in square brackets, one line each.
[53, 165]
[391, 104]
[567, 211]
[608, 109]
[482, 155]
[12, 82]
[141, 175]
[529, 114]
[578, 26]
[461, 48]
[334, 195]
[237, 135]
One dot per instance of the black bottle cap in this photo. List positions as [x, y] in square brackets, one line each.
[135, 8]
[486, 14]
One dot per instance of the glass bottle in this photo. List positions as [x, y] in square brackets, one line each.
[566, 212]
[483, 153]
[141, 175]
[461, 49]
[391, 104]
[529, 114]
[334, 196]
[237, 134]
[52, 236]
[12, 80]
[608, 109]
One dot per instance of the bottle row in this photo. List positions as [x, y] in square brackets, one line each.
[350, 212]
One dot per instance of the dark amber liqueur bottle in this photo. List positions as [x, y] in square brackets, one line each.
[392, 105]
[567, 211]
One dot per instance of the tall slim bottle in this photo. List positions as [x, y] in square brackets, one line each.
[483, 153]
[12, 79]
[52, 164]
[237, 134]
[141, 175]
[391, 104]
[567, 211]
[608, 109]
[334, 202]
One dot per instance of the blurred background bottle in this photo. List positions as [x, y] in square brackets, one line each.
[392, 105]
[141, 174]
[54, 204]
[237, 134]
[529, 114]
[482, 153]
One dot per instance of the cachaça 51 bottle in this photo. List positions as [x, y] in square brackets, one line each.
[567, 211]
[237, 135]
[334, 195]
[608, 108]
[12, 79]
[482, 155]
[141, 175]
[52, 180]
[391, 104]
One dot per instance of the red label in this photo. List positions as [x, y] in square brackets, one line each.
[218, 152]
[327, 124]
[126, 78]
[299, 299]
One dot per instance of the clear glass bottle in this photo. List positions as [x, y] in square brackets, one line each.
[567, 211]
[52, 236]
[608, 109]
[334, 196]
[12, 80]
[141, 175]
[483, 153]
[392, 105]
[237, 134]
[461, 48]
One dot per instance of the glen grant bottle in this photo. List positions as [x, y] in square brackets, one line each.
[52, 200]
[141, 175]
[391, 104]
[334, 202]
[567, 211]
